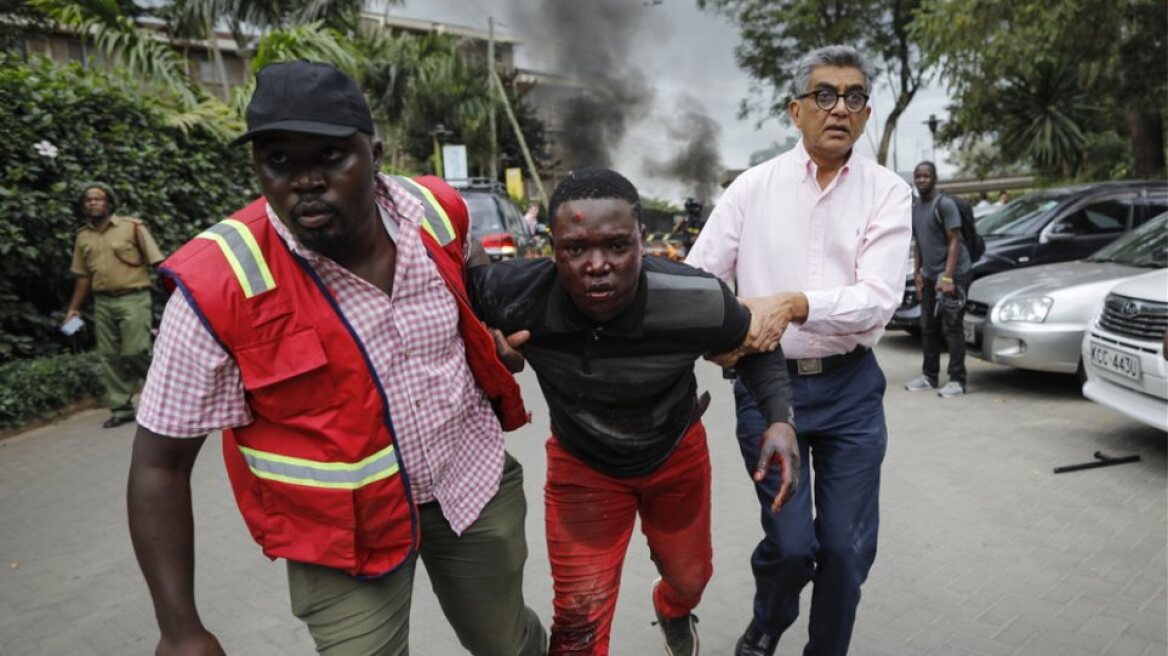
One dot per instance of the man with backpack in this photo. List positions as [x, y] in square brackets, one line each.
[942, 269]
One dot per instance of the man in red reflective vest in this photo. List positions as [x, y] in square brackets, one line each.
[325, 330]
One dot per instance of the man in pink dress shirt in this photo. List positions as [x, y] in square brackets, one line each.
[821, 232]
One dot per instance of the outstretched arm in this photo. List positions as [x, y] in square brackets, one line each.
[765, 376]
[162, 530]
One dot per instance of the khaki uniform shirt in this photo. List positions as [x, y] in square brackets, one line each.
[115, 258]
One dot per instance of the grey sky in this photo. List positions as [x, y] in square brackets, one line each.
[687, 51]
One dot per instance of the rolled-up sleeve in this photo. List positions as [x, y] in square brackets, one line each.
[193, 387]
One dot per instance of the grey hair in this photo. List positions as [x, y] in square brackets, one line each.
[837, 55]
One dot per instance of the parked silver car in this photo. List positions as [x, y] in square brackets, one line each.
[1034, 318]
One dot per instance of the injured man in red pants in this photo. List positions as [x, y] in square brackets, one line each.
[613, 336]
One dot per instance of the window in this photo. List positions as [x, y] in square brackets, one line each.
[207, 71]
[1097, 218]
[1149, 208]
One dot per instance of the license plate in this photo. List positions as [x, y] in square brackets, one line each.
[970, 333]
[1116, 362]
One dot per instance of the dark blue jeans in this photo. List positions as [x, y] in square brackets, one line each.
[842, 435]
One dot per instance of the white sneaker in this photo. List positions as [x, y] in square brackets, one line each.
[951, 389]
[920, 384]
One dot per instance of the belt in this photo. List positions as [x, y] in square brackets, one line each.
[121, 292]
[814, 366]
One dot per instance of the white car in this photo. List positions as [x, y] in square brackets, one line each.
[1123, 350]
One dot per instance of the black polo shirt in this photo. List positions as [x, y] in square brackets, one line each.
[620, 394]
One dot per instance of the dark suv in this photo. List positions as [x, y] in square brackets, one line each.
[1054, 225]
[497, 223]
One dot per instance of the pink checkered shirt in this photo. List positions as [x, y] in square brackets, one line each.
[450, 440]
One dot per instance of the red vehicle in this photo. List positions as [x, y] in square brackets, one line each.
[497, 223]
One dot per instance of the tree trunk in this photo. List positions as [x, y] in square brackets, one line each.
[217, 56]
[1146, 131]
[890, 127]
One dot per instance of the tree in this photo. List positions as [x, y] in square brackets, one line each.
[1049, 80]
[65, 125]
[413, 82]
[19, 23]
[417, 82]
[775, 35]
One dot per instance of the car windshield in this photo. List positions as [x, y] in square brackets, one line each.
[1146, 246]
[484, 214]
[1017, 217]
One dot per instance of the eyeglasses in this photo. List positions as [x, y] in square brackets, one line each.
[826, 99]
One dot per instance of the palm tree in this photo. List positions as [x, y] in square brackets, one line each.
[1046, 116]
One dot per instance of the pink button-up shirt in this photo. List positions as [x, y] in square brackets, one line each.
[449, 438]
[844, 246]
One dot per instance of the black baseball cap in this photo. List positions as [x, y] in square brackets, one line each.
[306, 97]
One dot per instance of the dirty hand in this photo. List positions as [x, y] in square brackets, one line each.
[70, 313]
[947, 288]
[199, 644]
[778, 444]
[769, 316]
[508, 348]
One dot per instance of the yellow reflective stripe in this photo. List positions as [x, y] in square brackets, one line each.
[332, 485]
[254, 247]
[313, 473]
[243, 255]
[230, 255]
[436, 222]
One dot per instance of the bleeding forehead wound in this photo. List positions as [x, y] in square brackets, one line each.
[577, 216]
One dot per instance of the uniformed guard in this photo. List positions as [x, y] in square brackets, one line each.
[111, 256]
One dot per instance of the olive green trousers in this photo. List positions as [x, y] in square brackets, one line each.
[122, 327]
[477, 577]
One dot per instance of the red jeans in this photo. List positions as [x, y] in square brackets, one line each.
[590, 518]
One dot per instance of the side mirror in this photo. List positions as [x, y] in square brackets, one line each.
[1061, 231]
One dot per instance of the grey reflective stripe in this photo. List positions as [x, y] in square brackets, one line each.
[243, 255]
[298, 471]
[683, 302]
[436, 221]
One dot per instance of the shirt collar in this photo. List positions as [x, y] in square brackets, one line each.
[387, 194]
[114, 220]
[810, 168]
[564, 317]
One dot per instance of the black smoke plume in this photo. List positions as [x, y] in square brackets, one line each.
[696, 164]
[592, 41]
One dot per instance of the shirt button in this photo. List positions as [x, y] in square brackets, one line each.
[417, 404]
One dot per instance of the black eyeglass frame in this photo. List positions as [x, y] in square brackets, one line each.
[835, 96]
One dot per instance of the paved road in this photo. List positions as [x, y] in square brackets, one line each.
[982, 549]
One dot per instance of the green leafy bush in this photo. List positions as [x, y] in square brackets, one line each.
[64, 125]
[34, 388]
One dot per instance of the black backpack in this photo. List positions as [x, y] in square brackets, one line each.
[973, 241]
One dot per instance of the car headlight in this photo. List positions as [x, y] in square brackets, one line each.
[1032, 309]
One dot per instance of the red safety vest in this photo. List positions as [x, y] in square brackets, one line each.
[317, 474]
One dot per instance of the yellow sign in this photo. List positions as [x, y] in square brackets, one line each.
[514, 177]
